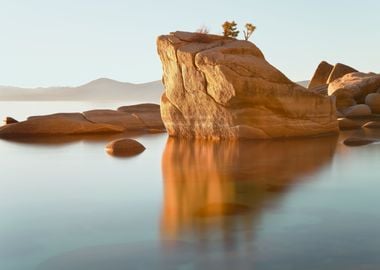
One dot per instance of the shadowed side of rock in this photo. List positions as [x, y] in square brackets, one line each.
[218, 87]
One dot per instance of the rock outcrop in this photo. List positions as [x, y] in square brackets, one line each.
[339, 71]
[321, 75]
[143, 119]
[357, 85]
[217, 87]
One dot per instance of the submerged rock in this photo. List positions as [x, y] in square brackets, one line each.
[217, 87]
[124, 148]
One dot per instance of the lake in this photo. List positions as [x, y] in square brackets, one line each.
[281, 204]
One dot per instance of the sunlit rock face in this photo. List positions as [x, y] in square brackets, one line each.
[217, 87]
[356, 85]
[207, 182]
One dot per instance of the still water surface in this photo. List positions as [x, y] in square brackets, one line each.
[268, 205]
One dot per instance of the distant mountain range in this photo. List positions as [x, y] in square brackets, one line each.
[304, 83]
[100, 89]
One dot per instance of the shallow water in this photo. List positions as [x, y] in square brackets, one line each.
[282, 204]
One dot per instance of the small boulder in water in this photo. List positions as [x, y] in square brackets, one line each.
[124, 148]
[358, 141]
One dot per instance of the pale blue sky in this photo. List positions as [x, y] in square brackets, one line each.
[70, 42]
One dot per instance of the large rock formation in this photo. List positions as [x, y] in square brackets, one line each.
[218, 87]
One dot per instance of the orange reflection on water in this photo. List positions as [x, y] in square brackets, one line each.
[208, 183]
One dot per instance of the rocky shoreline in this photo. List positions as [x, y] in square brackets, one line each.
[223, 88]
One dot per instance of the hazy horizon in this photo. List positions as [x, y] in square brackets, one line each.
[47, 43]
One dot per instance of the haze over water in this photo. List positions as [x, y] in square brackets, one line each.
[282, 204]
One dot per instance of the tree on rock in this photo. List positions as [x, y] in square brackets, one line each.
[250, 28]
[230, 29]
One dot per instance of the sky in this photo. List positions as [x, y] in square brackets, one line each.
[71, 42]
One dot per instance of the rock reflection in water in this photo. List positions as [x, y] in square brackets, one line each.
[225, 185]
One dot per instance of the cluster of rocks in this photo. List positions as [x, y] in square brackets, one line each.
[218, 87]
[141, 117]
[356, 94]
[144, 118]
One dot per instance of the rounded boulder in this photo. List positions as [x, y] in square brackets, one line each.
[124, 148]
[359, 110]
[373, 101]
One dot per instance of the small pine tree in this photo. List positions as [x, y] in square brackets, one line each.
[230, 29]
[250, 28]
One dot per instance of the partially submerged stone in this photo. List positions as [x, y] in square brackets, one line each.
[358, 141]
[56, 125]
[94, 121]
[224, 88]
[124, 148]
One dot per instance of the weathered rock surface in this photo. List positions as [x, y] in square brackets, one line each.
[359, 110]
[357, 85]
[62, 124]
[339, 71]
[320, 90]
[141, 108]
[224, 88]
[147, 113]
[344, 100]
[124, 148]
[321, 75]
[95, 121]
[124, 120]
[373, 101]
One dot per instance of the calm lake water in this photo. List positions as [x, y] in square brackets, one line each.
[283, 204]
